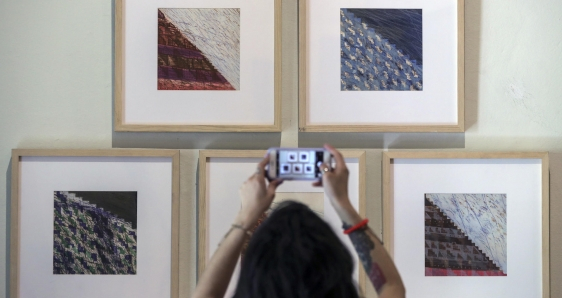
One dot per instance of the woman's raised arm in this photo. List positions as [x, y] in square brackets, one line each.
[256, 198]
[375, 259]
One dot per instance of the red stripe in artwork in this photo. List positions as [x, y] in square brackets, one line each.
[450, 272]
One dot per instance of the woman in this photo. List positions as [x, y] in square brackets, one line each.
[295, 254]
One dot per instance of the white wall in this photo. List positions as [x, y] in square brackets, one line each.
[56, 92]
[513, 70]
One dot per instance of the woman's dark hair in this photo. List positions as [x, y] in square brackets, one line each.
[294, 253]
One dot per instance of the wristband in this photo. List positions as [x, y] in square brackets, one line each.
[242, 228]
[357, 226]
[235, 226]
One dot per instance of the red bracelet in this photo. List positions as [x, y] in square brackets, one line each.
[357, 226]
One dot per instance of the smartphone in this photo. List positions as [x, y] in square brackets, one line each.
[297, 163]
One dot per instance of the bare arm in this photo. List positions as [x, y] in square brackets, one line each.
[378, 265]
[375, 259]
[256, 198]
[216, 277]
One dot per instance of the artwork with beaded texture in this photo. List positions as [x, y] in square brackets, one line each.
[95, 232]
[465, 235]
[381, 49]
[198, 49]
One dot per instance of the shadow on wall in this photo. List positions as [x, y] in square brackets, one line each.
[384, 140]
[196, 140]
[8, 225]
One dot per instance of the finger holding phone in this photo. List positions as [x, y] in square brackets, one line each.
[335, 181]
[297, 163]
[313, 164]
[256, 195]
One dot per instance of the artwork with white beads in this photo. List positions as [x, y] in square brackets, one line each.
[465, 234]
[95, 232]
[381, 49]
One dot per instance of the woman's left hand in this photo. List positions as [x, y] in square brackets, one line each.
[256, 197]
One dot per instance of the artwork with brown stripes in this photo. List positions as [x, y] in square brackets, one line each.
[198, 49]
[465, 234]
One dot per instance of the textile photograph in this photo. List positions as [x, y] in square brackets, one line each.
[465, 235]
[95, 232]
[381, 49]
[198, 49]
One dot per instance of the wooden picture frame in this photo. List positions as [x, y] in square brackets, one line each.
[88, 160]
[480, 170]
[253, 156]
[322, 107]
[204, 112]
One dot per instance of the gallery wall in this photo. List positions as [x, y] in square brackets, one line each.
[56, 82]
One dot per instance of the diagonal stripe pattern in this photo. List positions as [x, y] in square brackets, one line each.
[369, 62]
[449, 251]
[482, 217]
[215, 32]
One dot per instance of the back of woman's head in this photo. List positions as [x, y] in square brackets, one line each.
[294, 253]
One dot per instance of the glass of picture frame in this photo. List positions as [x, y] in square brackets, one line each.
[481, 219]
[92, 223]
[221, 172]
[383, 66]
[198, 66]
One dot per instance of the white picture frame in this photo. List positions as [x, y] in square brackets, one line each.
[37, 175]
[254, 105]
[325, 107]
[522, 178]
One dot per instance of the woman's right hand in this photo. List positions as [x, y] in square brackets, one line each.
[335, 179]
[335, 182]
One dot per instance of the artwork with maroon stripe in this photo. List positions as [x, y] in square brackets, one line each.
[198, 49]
[465, 235]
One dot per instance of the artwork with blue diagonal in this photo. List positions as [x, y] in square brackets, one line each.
[95, 232]
[381, 49]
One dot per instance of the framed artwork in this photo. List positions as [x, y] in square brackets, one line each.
[198, 66]
[468, 224]
[384, 66]
[94, 223]
[221, 172]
